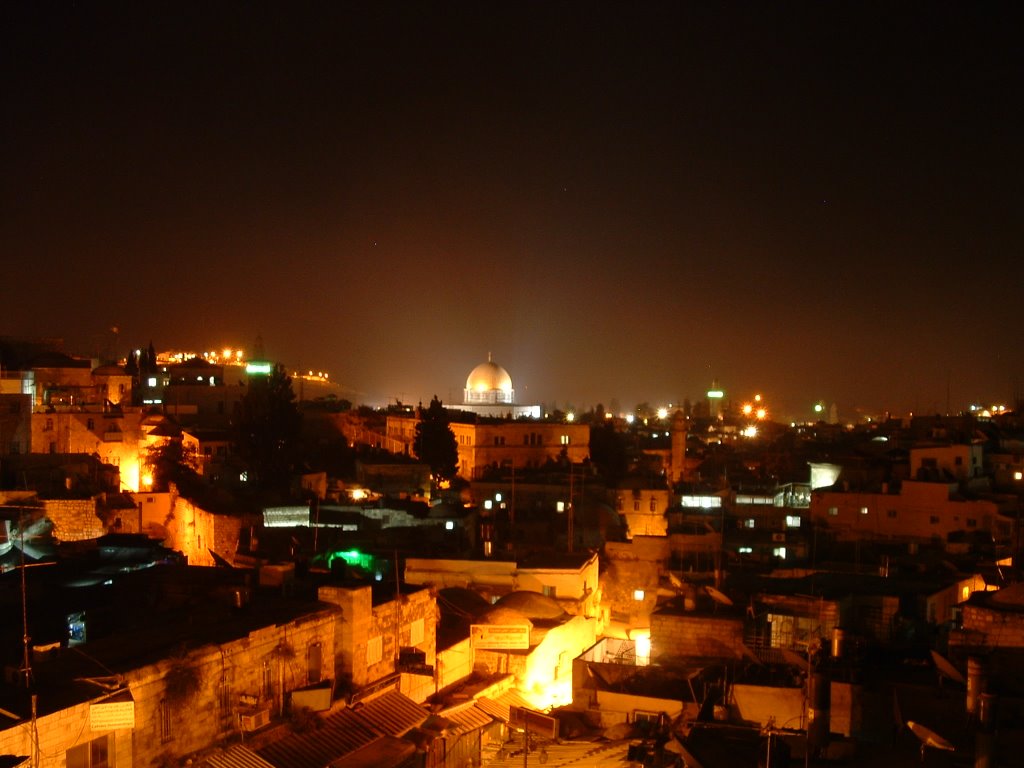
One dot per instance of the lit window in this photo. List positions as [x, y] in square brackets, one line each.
[833, 511]
[564, 439]
[1018, 475]
[151, 381]
[779, 552]
[643, 650]
[965, 592]
[497, 497]
[792, 521]
[416, 632]
[560, 506]
[863, 510]
[449, 525]
[745, 550]
[638, 594]
[749, 523]
[374, 650]
[488, 504]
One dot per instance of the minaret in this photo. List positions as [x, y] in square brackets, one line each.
[677, 466]
[715, 395]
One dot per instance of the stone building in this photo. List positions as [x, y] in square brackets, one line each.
[381, 637]
[168, 661]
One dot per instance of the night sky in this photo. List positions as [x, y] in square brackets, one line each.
[620, 202]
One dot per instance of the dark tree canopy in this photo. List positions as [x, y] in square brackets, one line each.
[266, 430]
[608, 451]
[435, 441]
[171, 462]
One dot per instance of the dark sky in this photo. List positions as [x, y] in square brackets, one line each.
[621, 202]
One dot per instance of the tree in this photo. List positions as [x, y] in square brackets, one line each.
[171, 462]
[608, 452]
[266, 430]
[435, 441]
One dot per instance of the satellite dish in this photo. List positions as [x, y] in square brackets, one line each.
[946, 668]
[717, 596]
[793, 658]
[745, 649]
[929, 738]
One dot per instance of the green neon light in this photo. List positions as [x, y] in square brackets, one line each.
[352, 557]
[716, 393]
[258, 368]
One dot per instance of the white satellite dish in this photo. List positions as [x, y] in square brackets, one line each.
[946, 668]
[717, 596]
[929, 738]
[793, 658]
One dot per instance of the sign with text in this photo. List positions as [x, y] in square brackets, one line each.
[112, 715]
[501, 636]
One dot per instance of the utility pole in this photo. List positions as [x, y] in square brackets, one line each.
[569, 510]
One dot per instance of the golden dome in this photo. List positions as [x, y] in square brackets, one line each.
[488, 377]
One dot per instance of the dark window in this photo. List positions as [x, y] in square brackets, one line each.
[94, 754]
[314, 663]
[165, 721]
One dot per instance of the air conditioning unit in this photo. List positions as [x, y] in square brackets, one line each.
[253, 721]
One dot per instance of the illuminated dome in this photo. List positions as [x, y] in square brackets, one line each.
[489, 383]
[532, 605]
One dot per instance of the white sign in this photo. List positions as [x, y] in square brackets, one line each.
[500, 636]
[111, 716]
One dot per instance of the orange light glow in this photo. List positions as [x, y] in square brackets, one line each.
[761, 413]
[747, 409]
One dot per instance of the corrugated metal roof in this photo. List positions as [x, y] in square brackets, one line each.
[467, 717]
[238, 756]
[498, 706]
[392, 713]
[341, 733]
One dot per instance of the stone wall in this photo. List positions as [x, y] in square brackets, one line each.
[74, 519]
[986, 627]
[352, 632]
[694, 634]
[251, 673]
[60, 731]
